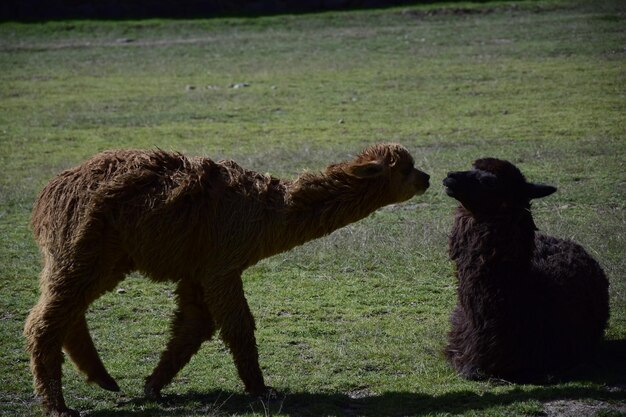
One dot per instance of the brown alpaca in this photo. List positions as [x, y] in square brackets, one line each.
[194, 221]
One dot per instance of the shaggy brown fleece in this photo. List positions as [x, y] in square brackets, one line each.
[191, 220]
[529, 306]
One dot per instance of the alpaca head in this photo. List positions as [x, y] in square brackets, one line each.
[389, 166]
[493, 186]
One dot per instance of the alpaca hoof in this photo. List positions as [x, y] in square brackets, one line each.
[267, 394]
[108, 384]
[63, 413]
[152, 393]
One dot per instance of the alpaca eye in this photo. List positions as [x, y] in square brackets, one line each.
[489, 181]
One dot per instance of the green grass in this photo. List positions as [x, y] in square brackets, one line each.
[352, 324]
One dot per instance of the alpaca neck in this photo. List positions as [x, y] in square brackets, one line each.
[492, 245]
[319, 205]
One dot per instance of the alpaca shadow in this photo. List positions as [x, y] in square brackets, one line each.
[609, 371]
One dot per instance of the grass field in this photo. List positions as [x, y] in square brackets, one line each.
[352, 324]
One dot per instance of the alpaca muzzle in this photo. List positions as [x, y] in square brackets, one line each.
[451, 184]
[422, 182]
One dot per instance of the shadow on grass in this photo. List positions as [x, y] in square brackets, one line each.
[609, 372]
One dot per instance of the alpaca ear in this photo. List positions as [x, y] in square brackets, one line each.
[539, 190]
[367, 169]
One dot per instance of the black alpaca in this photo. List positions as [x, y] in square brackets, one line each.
[529, 306]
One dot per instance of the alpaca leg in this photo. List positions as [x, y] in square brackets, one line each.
[192, 325]
[232, 315]
[460, 346]
[58, 320]
[79, 346]
[45, 328]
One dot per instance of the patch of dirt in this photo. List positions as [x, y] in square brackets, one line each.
[360, 393]
[466, 11]
[101, 43]
[575, 408]
[448, 11]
